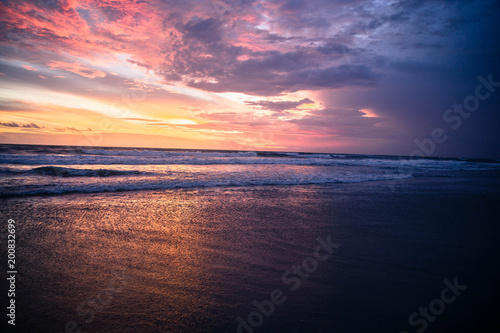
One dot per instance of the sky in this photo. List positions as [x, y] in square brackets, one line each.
[362, 76]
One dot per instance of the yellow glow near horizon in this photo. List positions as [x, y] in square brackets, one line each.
[181, 122]
[42, 96]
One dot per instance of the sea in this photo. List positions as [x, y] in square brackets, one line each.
[52, 170]
[118, 240]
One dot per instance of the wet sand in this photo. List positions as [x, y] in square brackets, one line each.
[196, 260]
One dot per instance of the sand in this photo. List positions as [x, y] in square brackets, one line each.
[196, 260]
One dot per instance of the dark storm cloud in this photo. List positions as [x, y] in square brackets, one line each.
[332, 48]
[207, 31]
[333, 77]
[292, 5]
[273, 37]
[246, 80]
[408, 65]
[343, 122]
[275, 72]
[311, 66]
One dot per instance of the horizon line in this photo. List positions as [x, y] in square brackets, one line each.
[407, 157]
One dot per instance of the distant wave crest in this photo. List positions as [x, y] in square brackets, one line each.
[69, 172]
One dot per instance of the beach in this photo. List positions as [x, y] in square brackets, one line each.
[198, 259]
[251, 166]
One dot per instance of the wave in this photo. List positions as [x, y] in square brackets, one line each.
[297, 155]
[66, 155]
[55, 189]
[165, 154]
[235, 159]
[69, 172]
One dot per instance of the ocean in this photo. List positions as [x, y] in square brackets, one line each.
[36, 170]
[168, 240]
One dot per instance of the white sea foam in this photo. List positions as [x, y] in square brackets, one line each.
[201, 158]
[63, 185]
[53, 170]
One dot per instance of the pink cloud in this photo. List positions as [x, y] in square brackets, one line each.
[29, 68]
[77, 68]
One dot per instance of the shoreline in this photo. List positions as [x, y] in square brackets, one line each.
[392, 184]
[197, 259]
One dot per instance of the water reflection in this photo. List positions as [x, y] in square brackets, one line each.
[192, 260]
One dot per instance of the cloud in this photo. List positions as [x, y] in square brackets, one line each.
[342, 122]
[272, 37]
[263, 48]
[281, 105]
[12, 106]
[335, 48]
[283, 74]
[77, 68]
[14, 124]
[138, 63]
[207, 31]
[399, 58]
[143, 119]
[29, 68]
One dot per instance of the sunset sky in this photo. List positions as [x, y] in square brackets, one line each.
[317, 75]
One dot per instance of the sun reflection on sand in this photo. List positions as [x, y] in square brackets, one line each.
[187, 258]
